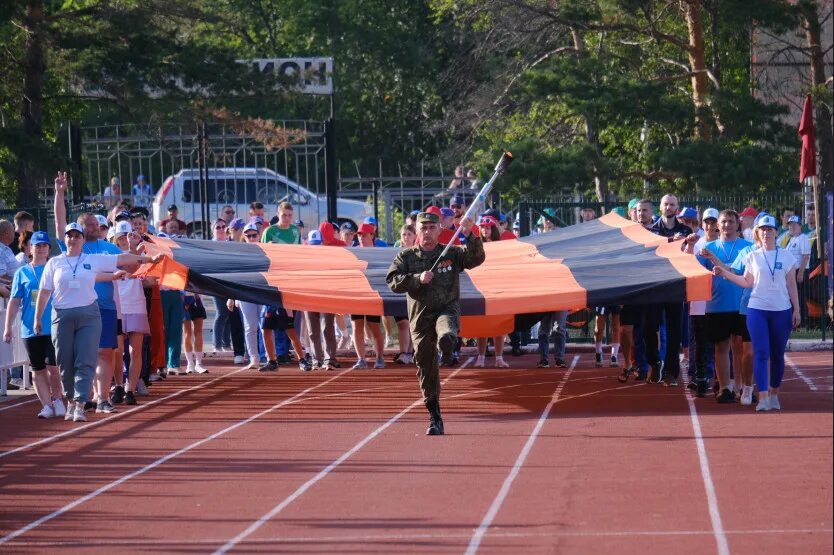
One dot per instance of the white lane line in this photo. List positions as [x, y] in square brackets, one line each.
[799, 373]
[324, 472]
[120, 414]
[18, 404]
[343, 539]
[478, 536]
[162, 460]
[712, 499]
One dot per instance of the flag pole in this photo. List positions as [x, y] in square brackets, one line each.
[500, 169]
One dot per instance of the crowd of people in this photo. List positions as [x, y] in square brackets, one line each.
[97, 337]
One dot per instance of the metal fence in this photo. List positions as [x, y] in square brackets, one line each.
[814, 291]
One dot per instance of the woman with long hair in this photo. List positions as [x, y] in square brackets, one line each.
[408, 239]
[489, 233]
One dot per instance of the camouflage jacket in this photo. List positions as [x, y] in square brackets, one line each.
[444, 289]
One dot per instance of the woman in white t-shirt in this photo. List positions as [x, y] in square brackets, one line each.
[69, 280]
[773, 309]
[134, 309]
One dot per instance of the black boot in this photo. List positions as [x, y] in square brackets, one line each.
[447, 350]
[436, 422]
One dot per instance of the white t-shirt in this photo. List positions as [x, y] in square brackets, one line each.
[770, 288]
[131, 296]
[799, 246]
[72, 279]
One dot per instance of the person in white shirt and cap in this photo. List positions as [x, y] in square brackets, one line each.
[69, 280]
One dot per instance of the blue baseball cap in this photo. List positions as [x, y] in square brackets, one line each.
[446, 212]
[39, 238]
[298, 223]
[237, 223]
[370, 220]
[413, 212]
[794, 220]
[457, 200]
[688, 213]
[761, 215]
[256, 220]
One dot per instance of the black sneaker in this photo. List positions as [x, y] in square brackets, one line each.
[90, 405]
[614, 362]
[543, 364]
[726, 397]
[305, 364]
[657, 373]
[626, 374]
[118, 395]
[271, 366]
[598, 360]
[130, 398]
[162, 373]
[332, 363]
[436, 421]
[701, 388]
[559, 363]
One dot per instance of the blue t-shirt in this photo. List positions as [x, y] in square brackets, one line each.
[380, 243]
[25, 286]
[738, 267]
[104, 290]
[726, 296]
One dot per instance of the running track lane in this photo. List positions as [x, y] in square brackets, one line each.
[772, 471]
[410, 495]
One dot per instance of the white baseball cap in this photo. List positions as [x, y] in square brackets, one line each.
[710, 213]
[102, 221]
[250, 227]
[767, 221]
[122, 228]
[74, 227]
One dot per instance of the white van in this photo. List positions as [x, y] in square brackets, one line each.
[239, 187]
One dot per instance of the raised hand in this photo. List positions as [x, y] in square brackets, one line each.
[61, 182]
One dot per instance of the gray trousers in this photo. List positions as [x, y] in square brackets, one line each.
[315, 329]
[75, 335]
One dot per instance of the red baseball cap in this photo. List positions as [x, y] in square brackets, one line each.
[434, 210]
[366, 228]
[749, 212]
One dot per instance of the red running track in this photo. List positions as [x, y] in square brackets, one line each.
[535, 461]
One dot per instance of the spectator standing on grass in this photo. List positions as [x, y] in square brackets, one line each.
[773, 309]
[41, 352]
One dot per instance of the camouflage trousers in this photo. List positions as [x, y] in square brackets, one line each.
[426, 333]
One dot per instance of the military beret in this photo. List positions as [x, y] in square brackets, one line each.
[426, 217]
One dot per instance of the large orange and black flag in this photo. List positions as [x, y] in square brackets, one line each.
[602, 262]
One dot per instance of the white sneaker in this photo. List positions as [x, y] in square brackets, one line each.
[763, 404]
[253, 365]
[747, 395]
[238, 359]
[774, 402]
[189, 369]
[479, 362]
[501, 363]
[407, 358]
[200, 369]
[58, 408]
[154, 377]
[141, 388]
[46, 412]
[78, 415]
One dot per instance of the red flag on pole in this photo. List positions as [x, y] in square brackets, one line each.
[808, 164]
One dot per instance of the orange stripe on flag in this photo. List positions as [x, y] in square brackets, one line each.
[634, 231]
[520, 280]
[320, 279]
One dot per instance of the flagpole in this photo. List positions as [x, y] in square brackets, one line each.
[500, 169]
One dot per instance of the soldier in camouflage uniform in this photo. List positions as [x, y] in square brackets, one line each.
[433, 302]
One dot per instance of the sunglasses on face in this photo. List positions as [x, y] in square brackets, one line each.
[251, 235]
